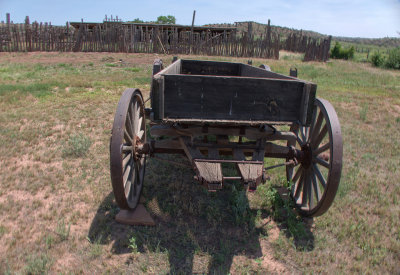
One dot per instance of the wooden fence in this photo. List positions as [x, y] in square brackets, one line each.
[313, 48]
[131, 38]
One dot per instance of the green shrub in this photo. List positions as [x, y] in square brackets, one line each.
[339, 53]
[393, 60]
[377, 59]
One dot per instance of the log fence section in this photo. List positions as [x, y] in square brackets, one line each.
[131, 38]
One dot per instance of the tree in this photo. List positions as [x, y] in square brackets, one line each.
[169, 19]
[136, 20]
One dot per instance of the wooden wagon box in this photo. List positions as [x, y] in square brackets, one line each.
[196, 91]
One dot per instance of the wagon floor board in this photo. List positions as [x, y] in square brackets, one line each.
[250, 172]
[209, 172]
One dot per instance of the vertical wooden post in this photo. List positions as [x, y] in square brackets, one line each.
[191, 31]
[8, 19]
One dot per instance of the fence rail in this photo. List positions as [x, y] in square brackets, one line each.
[131, 38]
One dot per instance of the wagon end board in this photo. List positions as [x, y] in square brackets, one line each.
[205, 90]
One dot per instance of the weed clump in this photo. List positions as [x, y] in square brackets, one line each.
[77, 146]
[37, 264]
[63, 230]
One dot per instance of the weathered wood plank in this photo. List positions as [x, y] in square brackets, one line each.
[209, 172]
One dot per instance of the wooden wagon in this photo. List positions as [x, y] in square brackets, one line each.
[222, 112]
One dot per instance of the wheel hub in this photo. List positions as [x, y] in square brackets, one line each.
[306, 156]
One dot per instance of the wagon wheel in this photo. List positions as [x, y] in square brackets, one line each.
[126, 163]
[315, 179]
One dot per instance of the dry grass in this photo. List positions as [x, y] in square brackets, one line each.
[57, 210]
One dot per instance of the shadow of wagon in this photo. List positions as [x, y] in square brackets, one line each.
[198, 231]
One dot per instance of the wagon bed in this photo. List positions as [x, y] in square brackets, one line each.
[193, 91]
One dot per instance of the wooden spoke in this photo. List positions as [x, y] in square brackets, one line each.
[307, 134]
[126, 148]
[133, 110]
[317, 126]
[297, 175]
[127, 188]
[319, 175]
[129, 125]
[316, 187]
[138, 175]
[126, 174]
[314, 117]
[140, 134]
[310, 191]
[126, 159]
[298, 187]
[128, 137]
[139, 126]
[320, 137]
[303, 135]
[136, 121]
[299, 140]
[321, 162]
[304, 194]
[321, 149]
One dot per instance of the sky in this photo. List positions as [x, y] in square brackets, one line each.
[351, 18]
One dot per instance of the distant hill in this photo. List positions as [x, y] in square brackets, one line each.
[259, 29]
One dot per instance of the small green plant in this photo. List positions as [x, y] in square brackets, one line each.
[377, 59]
[77, 146]
[49, 240]
[132, 244]
[63, 230]
[363, 112]
[96, 249]
[37, 264]
[271, 197]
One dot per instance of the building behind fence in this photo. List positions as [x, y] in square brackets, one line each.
[116, 36]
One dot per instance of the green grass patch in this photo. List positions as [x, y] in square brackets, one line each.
[111, 65]
[37, 264]
[77, 146]
[133, 70]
